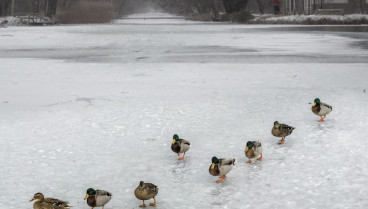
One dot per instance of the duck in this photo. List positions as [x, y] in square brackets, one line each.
[97, 198]
[146, 191]
[220, 167]
[281, 130]
[180, 146]
[253, 150]
[321, 109]
[48, 203]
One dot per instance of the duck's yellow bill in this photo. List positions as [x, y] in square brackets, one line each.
[212, 166]
[86, 196]
[314, 104]
[246, 149]
[173, 141]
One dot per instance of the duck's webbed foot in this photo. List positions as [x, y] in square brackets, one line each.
[260, 158]
[143, 205]
[322, 119]
[154, 202]
[281, 141]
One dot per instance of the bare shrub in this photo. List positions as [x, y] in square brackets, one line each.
[241, 17]
[84, 11]
[201, 17]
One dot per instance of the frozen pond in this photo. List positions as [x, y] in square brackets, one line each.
[97, 105]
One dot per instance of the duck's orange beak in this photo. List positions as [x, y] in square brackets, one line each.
[32, 199]
[86, 196]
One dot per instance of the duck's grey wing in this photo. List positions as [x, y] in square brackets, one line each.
[184, 141]
[257, 143]
[328, 106]
[227, 161]
[102, 197]
[103, 193]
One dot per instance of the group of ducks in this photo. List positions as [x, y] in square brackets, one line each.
[253, 149]
[97, 198]
[219, 167]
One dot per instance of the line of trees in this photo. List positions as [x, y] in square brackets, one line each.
[97, 11]
[202, 6]
[184, 7]
[123, 7]
[14, 7]
[212, 7]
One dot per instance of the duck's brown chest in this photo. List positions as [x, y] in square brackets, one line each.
[250, 153]
[316, 109]
[215, 171]
[275, 131]
[91, 201]
[175, 147]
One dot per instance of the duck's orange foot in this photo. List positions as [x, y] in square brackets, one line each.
[143, 205]
[260, 158]
[181, 158]
[281, 141]
[249, 161]
[153, 204]
[322, 119]
[220, 180]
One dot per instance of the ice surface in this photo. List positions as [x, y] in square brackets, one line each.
[96, 106]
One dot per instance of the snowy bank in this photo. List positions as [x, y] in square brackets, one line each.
[311, 19]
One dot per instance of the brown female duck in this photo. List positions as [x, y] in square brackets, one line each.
[48, 203]
[146, 191]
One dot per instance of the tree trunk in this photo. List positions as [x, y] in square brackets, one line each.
[260, 6]
[50, 8]
[5, 7]
[357, 8]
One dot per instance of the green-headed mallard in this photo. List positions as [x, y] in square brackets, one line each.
[253, 150]
[97, 198]
[48, 203]
[220, 167]
[321, 109]
[179, 146]
[146, 191]
[281, 130]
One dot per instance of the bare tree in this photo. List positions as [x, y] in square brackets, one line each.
[5, 7]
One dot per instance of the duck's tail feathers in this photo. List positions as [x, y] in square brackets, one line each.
[234, 161]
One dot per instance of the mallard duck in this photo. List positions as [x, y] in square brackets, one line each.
[48, 203]
[146, 191]
[179, 146]
[220, 167]
[253, 150]
[281, 130]
[97, 198]
[321, 109]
